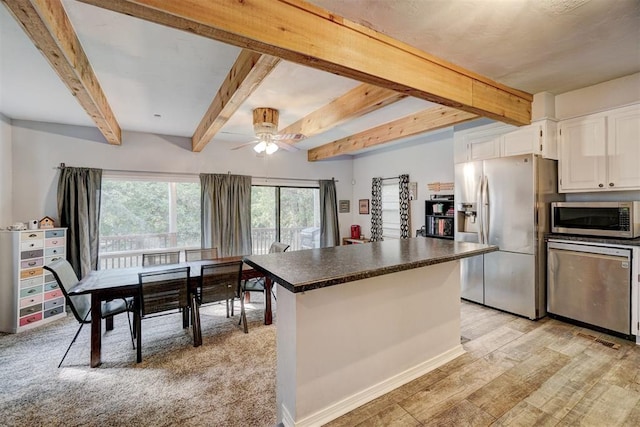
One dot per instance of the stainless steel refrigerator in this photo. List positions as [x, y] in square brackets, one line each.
[506, 202]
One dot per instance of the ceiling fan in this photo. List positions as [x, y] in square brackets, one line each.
[265, 126]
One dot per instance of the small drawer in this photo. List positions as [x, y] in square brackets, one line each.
[30, 263]
[35, 299]
[32, 272]
[51, 286]
[57, 241]
[31, 244]
[34, 281]
[53, 251]
[24, 321]
[32, 309]
[53, 294]
[51, 259]
[53, 311]
[37, 253]
[28, 292]
[53, 303]
[48, 277]
[54, 233]
[31, 235]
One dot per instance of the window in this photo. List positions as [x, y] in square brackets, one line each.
[144, 213]
[390, 209]
[286, 214]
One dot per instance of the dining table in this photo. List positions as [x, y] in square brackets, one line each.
[109, 284]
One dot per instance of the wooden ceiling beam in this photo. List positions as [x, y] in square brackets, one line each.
[424, 121]
[249, 70]
[300, 32]
[48, 26]
[360, 100]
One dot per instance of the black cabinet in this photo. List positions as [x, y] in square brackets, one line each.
[439, 213]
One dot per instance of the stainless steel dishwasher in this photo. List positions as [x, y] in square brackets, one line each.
[590, 284]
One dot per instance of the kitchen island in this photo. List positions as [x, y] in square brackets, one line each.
[356, 321]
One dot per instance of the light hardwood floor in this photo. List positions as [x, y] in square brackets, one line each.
[518, 372]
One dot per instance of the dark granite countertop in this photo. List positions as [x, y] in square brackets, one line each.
[594, 239]
[309, 269]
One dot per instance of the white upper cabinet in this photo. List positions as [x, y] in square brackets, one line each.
[600, 152]
[623, 149]
[500, 140]
[537, 138]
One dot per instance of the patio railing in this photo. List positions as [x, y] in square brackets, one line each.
[126, 251]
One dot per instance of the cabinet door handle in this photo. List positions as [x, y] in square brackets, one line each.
[600, 185]
[32, 263]
[54, 242]
[611, 184]
[32, 235]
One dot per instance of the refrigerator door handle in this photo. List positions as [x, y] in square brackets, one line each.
[485, 210]
[479, 200]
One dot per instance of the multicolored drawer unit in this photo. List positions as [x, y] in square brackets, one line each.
[29, 295]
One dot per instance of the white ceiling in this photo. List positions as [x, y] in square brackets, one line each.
[147, 70]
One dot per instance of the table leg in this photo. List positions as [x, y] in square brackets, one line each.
[96, 324]
[267, 303]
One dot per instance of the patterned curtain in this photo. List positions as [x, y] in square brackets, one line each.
[405, 220]
[226, 213]
[79, 192]
[376, 209]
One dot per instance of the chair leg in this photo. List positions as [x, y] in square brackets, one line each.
[133, 334]
[72, 341]
[243, 316]
[227, 301]
[195, 322]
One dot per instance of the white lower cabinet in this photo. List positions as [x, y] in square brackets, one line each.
[29, 295]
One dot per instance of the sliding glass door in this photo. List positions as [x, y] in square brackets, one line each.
[289, 215]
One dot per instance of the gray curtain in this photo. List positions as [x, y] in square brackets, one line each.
[329, 231]
[376, 209]
[405, 220]
[226, 213]
[79, 211]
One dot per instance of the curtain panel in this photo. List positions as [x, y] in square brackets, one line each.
[376, 209]
[405, 219]
[79, 194]
[226, 213]
[329, 230]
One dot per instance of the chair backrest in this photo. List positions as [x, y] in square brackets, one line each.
[164, 290]
[160, 258]
[219, 282]
[66, 277]
[200, 254]
[278, 247]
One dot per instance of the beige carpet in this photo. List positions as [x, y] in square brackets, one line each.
[228, 381]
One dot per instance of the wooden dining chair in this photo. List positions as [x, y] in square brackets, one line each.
[220, 282]
[80, 305]
[200, 254]
[165, 292]
[160, 258]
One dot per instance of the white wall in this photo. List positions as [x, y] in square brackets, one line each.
[426, 159]
[600, 97]
[38, 148]
[6, 200]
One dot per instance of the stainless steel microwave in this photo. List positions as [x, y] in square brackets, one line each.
[611, 219]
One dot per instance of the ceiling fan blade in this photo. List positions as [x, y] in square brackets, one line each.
[245, 145]
[286, 146]
[291, 137]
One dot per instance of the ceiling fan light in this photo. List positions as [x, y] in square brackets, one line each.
[271, 148]
[260, 147]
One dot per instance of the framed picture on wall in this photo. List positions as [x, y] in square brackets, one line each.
[363, 206]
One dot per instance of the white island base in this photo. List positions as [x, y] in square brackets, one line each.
[341, 346]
